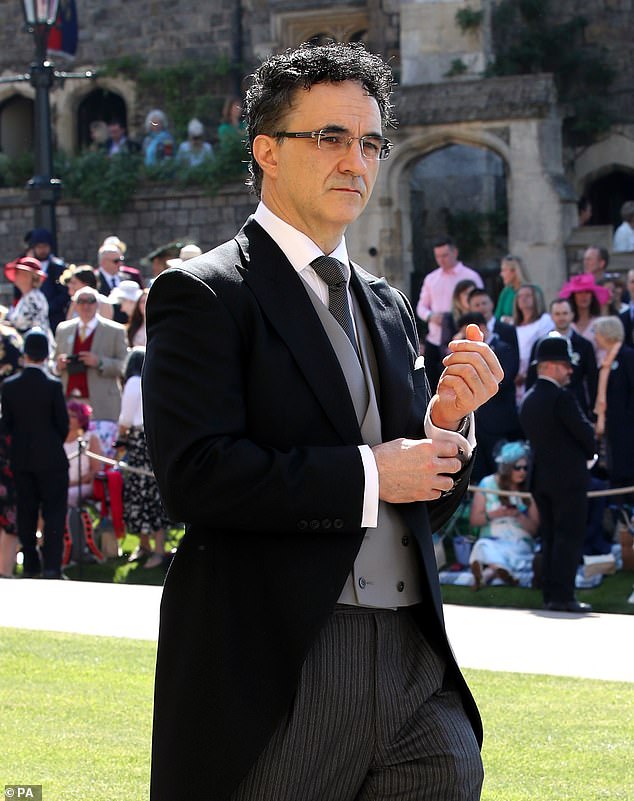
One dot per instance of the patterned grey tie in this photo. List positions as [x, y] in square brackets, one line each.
[331, 271]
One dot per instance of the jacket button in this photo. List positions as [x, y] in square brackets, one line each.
[314, 524]
[405, 540]
[302, 525]
[400, 586]
[362, 583]
[337, 522]
[326, 523]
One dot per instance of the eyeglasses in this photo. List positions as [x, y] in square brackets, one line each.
[373, 148]
[520, 467]
[81, 301]
[116, 258]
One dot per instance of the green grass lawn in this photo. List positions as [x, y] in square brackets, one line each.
[610, 596]
[76, 718]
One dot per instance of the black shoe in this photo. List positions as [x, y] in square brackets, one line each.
[570, 606]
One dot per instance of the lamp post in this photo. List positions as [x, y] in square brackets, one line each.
[40, 16]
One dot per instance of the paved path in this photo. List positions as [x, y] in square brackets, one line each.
[596, 646]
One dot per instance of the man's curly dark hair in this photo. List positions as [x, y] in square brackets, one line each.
[277, 80]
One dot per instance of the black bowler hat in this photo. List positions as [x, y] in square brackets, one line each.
[36, 345]
[553, 348]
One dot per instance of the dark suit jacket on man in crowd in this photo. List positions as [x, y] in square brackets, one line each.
[562, 440]
[34, 415]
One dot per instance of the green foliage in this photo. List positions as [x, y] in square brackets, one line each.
[108, 184]
[17, 171]
[183, 90]
[458, 67]
[475, 229]
[468, 20]
[526, 40]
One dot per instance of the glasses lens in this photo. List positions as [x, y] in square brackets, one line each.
[331, 141]
[86, 300]
[375, 148]
[520, 467]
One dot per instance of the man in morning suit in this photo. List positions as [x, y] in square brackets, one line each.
[35, 417]
[562, 440]
[302, 653]
[90, 353]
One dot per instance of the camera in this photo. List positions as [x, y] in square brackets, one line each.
[73, 358]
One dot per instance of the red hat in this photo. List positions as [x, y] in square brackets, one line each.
[27, 263]
[584, 282]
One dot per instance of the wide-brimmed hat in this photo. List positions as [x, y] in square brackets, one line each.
[28, 263]
[112, 244]
[584, 282]
[186, 252]
[553, 348]
[127, 290]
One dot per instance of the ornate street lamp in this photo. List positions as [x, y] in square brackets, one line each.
[40, 16]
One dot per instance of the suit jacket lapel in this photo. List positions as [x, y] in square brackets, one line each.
[284, 301]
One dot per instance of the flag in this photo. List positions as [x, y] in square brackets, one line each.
[62, 38]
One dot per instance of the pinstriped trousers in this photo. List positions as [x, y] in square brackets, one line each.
[372, 720]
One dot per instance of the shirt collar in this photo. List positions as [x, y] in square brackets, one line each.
[298, 248]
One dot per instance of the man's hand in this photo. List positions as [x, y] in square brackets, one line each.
[88, 358]
[415, 469]
[471, 376]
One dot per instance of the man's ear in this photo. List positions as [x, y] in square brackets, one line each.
[264, 151]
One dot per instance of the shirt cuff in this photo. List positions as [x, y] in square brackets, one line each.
[370, 513]
[464, 437]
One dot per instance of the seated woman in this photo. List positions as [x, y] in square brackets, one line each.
[81, 469]
[507, 523]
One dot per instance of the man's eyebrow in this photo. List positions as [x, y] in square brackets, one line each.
[343, 129]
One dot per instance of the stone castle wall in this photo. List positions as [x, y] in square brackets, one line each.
[156, 216]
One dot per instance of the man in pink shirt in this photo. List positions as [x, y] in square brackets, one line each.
[435, 300]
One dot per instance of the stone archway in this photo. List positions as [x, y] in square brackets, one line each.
[459, 191]
[16, 126]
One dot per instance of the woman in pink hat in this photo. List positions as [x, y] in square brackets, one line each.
[586, 298]
[32, 308]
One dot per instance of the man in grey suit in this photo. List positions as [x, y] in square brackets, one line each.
[90, 352]
[302, 651]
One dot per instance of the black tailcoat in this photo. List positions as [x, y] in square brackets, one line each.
[253, 438]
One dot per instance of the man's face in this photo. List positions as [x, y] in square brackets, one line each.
[630, 284]
[482, 304]
[592, 262]
[86, 307]
[42, 250]
[111, 261]
[115, 131]
[562, 316]
[318, 192]
[446, 257]
[562, 372]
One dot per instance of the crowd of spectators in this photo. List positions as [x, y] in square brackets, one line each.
[93, 317]
[594, 313]
[94, 331]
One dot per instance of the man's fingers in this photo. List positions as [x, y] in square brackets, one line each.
[478, 354]
[473, 333]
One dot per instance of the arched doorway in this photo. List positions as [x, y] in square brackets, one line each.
[607, 194]
[459, 191]
[16, 126]
[100, 104]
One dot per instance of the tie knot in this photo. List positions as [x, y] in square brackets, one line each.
[329, 270]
